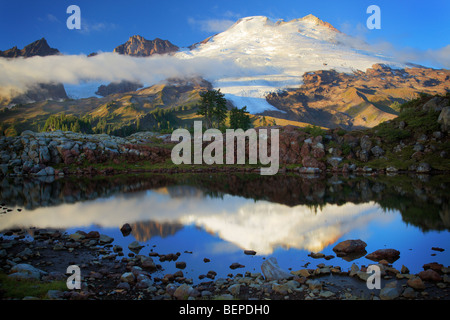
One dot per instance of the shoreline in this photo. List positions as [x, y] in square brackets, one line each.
[109, 275]
[304, 171]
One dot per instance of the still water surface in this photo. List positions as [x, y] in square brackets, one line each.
[218, 217]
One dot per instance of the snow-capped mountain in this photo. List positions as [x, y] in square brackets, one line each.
[279, 53]
[298, 72]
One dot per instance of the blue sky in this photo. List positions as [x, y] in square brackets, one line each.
[405, 25]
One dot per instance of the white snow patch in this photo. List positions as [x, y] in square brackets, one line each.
[285, 51]
[82, 90]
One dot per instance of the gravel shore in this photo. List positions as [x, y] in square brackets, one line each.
[107, 274]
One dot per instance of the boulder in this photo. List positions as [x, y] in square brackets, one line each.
[235, 289]
[104, 239]
[365, 143]
[125, 229]
[444, 119]
[314, 284]
[363, 155]
[183, 292]
[334, 161]
[77, 236]
[272, 271]
[389, 293]
[416, 283]
[128, 277]
[24, 271]
[135, 246]
[148, 263]
[377, 151]
[435, 104]
[316, 255]
[423, 167]
[430, 275]
[384, 254]
[433, 265]
[409, 293]
[348, 247]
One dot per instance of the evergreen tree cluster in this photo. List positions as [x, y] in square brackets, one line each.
[239, 118]
[67, 123]
[213, 107]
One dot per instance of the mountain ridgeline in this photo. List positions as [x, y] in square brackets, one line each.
[138, 46]
[339, 87]
[36, 48]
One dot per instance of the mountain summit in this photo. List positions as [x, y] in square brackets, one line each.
[310, 18]
[275, 55]
[140, 47]
[37, 48]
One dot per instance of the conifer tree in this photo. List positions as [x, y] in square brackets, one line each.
[213, 106]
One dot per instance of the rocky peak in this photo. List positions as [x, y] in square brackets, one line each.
[36, 48]
[141, 47]
[316, 21]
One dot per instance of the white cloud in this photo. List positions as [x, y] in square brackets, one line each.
[88, 26]
[211, 25]
[52, 18]
[18, 75]
[436, 58]
[441, 56]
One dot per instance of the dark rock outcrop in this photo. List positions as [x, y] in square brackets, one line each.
[41, 92]
[118, 87]
[37, 48]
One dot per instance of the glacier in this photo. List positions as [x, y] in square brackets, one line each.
[285, 51]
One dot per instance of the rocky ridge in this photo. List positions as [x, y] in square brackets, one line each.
[138, 46]
[356, 100]
[117, 87]
[36, 48]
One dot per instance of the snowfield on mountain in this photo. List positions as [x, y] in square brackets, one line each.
[280, 53]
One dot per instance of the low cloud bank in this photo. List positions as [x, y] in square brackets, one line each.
[20, 74]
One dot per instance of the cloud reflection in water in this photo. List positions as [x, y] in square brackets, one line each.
[258, 225]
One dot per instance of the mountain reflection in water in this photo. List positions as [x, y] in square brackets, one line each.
[247, 211]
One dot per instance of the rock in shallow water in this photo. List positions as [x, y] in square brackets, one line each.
[349, 247]
[272, 271]
[387, 254]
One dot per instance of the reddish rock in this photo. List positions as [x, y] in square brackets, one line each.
[318, 152]
[433, 266]
[67, 157]
[349, 246]
[305, 150]
[386, 254]
[416, 283]
[430, 275]
[141, 47]
[93, 235]
[236, 265]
